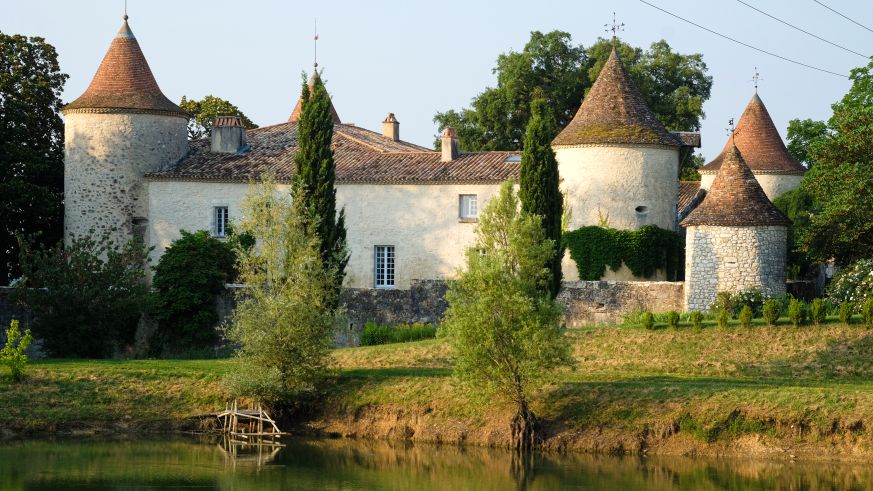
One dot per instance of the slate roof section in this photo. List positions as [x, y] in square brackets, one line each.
[690, 195]
[124, 82]
[735, 199]
[614, 112]
[759, 141]
[362, 156]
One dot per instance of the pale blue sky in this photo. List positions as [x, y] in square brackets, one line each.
[415, 58]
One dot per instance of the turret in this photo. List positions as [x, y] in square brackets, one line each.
[758, 140]
[121, 128]
[298, 108]
[617, 162]
[735, 240]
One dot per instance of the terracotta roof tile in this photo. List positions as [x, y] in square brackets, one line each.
[735, 199]
[759, 141]
[614, 112]
[295, 114]
[361, 156]
[690, 195]
[124, 81]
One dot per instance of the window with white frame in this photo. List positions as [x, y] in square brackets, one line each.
[220, 219]
[469, 206]
[384, 267]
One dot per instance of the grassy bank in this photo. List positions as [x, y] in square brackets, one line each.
[805, 391]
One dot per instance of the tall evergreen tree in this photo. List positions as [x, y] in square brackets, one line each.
[315, 177]
[539, 190]
[31, 147]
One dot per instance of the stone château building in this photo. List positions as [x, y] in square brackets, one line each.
[410, 211]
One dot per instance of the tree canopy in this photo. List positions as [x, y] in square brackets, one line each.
[802, 135]
[31, 147]
[840, 181]
[674, 85]
[205, 111]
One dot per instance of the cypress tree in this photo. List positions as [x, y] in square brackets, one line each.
[315, 177]
[539, 190]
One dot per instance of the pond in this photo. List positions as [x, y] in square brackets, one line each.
[360, 465]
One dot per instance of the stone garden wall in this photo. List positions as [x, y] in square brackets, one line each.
[604, 302]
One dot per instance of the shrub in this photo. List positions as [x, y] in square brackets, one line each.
[797, 312]
[853, 283]
[846, 312]
[374, 334]
[734, 302]
[188, 277]
[817, 311]
[647, 320]
[12, 353]
[723, 318]
[673, 319]
[771, 311]
[746, 316]
[867, 310]
[86, 297]
[696, 318]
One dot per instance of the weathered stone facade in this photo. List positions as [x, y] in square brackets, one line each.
[106, 155]
[733, 259]
[603, 302]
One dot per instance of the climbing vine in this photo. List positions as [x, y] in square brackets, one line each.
[644, 251]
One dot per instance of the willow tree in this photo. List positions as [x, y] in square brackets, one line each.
[503, 325]
[539, 191]
[315, 177]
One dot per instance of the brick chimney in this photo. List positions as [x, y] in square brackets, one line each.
[450, 145]
[391, 127]
[228, 134]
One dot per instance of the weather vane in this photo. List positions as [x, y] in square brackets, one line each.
[731, 130]
[315, 47]
[757, 77]
[125, 9]
[615, 27]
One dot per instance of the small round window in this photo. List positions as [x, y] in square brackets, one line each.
[642, 209]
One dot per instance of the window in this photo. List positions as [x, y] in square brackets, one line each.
[469, 209]
[384, 266]
[219, 221]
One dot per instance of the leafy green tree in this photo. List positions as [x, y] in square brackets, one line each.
[31, 147]
[538, 190]
[802, 135]
[285, 314]
[12, 354]
[315, 177]
[503, 325]
[690, 163]
[841, 178]
[188, 277]
[87, 297]
[206, 110]
[798, 206]
[674, 85]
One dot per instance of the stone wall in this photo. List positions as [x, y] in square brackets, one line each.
[603, 302]
[733, 259]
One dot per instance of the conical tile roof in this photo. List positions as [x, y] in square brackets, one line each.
[124, 81]
[295, 114]
[759, 141]
[614, 112]
[735, 198]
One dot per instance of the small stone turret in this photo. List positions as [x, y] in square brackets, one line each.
[736, 238]
[121, 128]
[763, 151]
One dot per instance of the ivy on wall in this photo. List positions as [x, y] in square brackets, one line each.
[644, 251]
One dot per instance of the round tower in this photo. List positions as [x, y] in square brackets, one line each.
[121, 128]
[617, 162]
[763, 151]
[735, 240]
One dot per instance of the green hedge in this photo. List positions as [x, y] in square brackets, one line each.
[383, 334]
[644, 251]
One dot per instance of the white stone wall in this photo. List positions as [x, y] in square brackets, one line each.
[420, 221]
[733, 259]
[772, 184]
[105, 158]
[613, 180]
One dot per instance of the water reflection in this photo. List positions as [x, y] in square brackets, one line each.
[359, 465]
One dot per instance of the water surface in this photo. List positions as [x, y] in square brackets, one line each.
[358, 465]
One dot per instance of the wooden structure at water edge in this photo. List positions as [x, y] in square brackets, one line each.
[251, 426]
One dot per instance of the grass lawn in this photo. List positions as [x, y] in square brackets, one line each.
[714, 384]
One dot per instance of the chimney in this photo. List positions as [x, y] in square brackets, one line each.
[391, 127]
[450, 145]
[228, 134]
